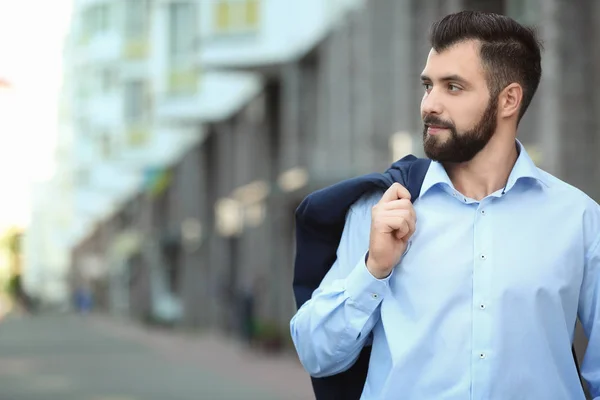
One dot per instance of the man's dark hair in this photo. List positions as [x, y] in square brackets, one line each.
[510, 52]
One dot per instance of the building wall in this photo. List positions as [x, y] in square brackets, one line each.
[579, 139]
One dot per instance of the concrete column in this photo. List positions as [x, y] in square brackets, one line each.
[340, 112]
[193, 281]
[308, 110]
[290, 95]
[383, 43]
[319, 157]
[406, 73]
[578, 124]
[363, 99]
[549, 90]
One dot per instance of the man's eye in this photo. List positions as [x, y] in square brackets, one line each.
[427, 86]
[454, 88]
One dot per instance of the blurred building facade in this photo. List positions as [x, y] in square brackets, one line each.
[193, 129]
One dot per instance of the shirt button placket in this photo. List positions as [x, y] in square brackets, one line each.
[482, 247]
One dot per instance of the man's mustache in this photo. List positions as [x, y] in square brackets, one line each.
[431, 120]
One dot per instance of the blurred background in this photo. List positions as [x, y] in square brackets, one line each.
[154, 152]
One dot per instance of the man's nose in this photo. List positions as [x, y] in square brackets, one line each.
[431, 103]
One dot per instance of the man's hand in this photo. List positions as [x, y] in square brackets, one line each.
[393, 222]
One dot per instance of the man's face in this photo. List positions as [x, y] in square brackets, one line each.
[458, 114]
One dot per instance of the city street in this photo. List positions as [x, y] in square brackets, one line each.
[96, 358]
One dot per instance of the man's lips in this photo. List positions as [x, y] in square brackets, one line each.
[434, 129]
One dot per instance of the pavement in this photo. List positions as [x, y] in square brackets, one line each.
[69, 357]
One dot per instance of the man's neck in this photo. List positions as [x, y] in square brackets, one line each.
[487, 172]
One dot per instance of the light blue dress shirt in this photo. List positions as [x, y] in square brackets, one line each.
[483, 304]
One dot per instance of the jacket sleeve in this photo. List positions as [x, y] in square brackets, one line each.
[331, 328]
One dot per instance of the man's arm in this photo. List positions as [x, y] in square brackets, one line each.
[589, 314]
[331, 328]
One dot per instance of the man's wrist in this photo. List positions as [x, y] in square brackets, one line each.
[376, 272]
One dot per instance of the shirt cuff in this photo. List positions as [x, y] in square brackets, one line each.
[364, 290]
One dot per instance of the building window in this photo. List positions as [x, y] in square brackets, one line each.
[96, 20]
[136, 113]
[236, 16]
[137, 14]
[134, 101]
[182, 30]
[136, 18]
[107, 80]
[106, 146]
[183, 75]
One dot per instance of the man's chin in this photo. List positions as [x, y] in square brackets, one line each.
[436, 144]
[436, 151]
[447, 157]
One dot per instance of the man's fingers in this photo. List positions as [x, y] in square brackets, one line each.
[396, 221]
[402, 230]
[390, 194]
[399, 210]
[393, 218]
[399, 234]
[412, 224]
[402, 204]
[405, 231]
[403, 192]
[395, 192]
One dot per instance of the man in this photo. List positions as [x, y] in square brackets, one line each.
[474, 292]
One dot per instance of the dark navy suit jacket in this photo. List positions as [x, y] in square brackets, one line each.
[320, 220]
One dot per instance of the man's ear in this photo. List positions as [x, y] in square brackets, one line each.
[510, 100]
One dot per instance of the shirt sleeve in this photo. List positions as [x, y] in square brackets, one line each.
[589, 315]
[331, 328]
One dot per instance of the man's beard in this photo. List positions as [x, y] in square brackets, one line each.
[461, 147]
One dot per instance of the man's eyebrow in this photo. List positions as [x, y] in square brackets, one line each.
[448, 78]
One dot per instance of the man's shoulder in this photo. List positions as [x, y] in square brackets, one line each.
[565, 190]
[578, 203]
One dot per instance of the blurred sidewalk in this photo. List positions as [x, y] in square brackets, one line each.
[68, 357]
[280, 373]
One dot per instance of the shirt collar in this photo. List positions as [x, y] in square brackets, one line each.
[524, 168]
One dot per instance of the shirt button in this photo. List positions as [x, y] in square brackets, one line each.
[482, 306]
[482, 256]
[375, 296]
[482, 212]
[482, 355]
